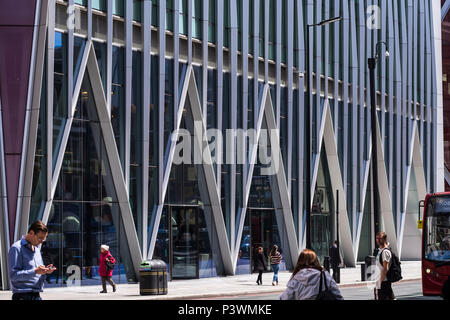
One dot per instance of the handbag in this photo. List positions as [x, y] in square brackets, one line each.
[324, 294]
[109, 265]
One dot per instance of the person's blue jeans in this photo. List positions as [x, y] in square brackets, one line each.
[275, 268]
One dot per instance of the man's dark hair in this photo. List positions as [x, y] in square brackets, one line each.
[37, 227]
[382, 235]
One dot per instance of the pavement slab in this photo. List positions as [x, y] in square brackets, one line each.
[208, 287]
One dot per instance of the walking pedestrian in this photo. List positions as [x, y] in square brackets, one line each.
[275, 260]
[104, 270]
[260, 264]
[335, 260]
[305, 282]
[383, 260]
[27, 271]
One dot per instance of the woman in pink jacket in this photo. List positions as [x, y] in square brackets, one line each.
[103, 271]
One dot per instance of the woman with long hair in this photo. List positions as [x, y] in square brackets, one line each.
[275, 260]
[305, 280]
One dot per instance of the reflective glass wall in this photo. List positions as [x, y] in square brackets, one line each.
[142, 70]
[85, 212]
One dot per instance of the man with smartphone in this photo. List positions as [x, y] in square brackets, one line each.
[27, 271]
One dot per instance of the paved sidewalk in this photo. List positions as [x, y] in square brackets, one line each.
[207, 287]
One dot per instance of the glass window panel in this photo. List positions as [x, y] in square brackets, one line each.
[81, 2]
[161, 250]
[118, 7]
[78, 48]
[207, 266]
[137, 10]
[99, 5]
[168, 103]
[212, 99]
[85, 212]
[59, 91]
[197, 19]
[154, 124]
[136, 110]
[243, 265]
[100, 53]
[39, 186]
[118, 100]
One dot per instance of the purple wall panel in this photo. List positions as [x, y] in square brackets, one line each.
[15, 54]
[17, 20]
[17, 12]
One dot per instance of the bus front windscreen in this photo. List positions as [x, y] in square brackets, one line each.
[437, 228]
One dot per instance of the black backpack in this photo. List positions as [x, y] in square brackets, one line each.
[394, 273]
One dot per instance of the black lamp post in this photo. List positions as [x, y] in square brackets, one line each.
[308, 129]
[373, 114]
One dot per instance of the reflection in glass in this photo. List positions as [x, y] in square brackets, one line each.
[168, 104]
[322, 217]
[243, 262]
[39, 184]
[100, 53]
[207, 266]
[78, 48]
[264, 232]
[118, 100]
[60, 91]
[437, 229]
[184, 243]
[85, 211]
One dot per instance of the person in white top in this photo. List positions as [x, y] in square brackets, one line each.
[384, 286]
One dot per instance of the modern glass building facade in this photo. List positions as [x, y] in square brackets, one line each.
[109, 90]
[445, 17]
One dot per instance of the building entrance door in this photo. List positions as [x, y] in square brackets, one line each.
[184, 245]
[320, 224]
[263, 231]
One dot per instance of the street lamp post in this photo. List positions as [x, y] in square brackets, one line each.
[373, 105]
[308, 129]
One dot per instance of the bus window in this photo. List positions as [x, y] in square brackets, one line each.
[437, 237]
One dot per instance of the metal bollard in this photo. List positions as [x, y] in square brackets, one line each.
[338, 275]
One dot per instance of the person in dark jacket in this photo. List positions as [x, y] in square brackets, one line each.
[335, 260]
[260, 264]
[446, 290]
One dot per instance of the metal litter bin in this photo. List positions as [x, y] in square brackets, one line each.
[363, 272]
[153, 277]
[370, 267]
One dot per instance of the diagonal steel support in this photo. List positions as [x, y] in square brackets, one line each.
[280, 192]
[205, 170]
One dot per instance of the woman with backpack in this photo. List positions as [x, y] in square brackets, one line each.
[309, 281]
[106, 266]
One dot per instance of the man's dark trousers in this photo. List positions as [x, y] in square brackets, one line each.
[26, 296]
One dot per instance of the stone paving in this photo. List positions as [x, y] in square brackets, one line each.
[207, 287]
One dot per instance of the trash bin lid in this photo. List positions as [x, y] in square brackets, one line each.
[154, 264]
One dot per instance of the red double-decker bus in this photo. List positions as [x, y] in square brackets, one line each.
[435, 243]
